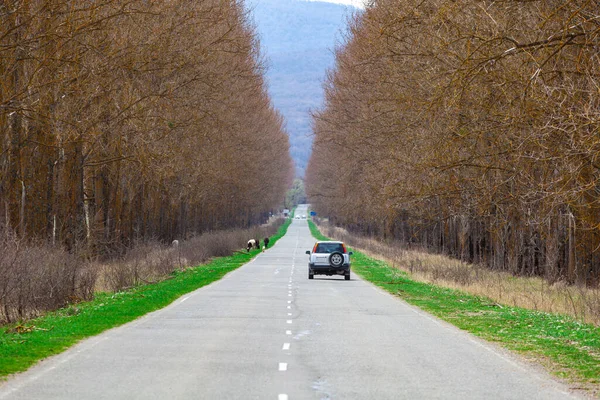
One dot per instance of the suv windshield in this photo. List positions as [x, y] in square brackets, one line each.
[329, 248]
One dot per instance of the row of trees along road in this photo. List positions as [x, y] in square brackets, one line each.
[130, 119]
[469, 127]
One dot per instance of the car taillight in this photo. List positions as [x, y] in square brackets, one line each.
[315, 248]
[344, 248]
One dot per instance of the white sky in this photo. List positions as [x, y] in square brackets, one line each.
[355, 3]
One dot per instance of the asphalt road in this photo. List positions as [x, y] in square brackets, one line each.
[266, 332]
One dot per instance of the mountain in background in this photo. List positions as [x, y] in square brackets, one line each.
[298, 38]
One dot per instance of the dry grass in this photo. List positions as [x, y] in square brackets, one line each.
[533, 293]
[153, 261]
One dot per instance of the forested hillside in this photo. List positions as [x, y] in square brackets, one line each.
[470, 128]
[123, 120]
[298, 38]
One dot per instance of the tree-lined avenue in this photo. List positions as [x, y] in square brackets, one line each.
[266, 332]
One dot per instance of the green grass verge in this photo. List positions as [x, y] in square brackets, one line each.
[22, 345]
[569, 349]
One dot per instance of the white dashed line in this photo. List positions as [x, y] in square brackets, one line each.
[289, 314]
[289, 321]
[289, 295]
[289, 307]
[283, 366]
[286, 346]
[289, 302]
[282, 397]
[288, 332]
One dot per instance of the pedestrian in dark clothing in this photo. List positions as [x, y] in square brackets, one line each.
[267, 242]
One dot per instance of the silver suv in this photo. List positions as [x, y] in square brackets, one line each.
[329, 258]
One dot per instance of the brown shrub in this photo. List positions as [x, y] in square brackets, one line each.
[201, 248]
[152, 261]
[145, 262]
[38, 277]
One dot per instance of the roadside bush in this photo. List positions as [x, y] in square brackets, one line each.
[38, 277]
[220, 244]
[145, 262]
[148, 262]
[217, 244]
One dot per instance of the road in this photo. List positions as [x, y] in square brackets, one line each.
[266, 332]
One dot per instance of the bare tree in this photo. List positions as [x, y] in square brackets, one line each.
[468, 128]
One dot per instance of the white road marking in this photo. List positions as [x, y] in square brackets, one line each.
[289, 295]
[286, 346]
[283, 366]
[288, 332]
[282, 397]
[289, 321]
[289, 302]
[289, 307]
[184, 299]
[289, 314]
[301, 334]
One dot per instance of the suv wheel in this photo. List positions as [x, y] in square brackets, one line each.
[347, 276]
[336, 259]
[310, 275]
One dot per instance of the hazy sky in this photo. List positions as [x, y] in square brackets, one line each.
[355, 3]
